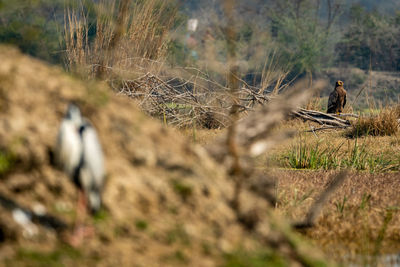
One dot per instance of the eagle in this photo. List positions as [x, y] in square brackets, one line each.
[337, 99]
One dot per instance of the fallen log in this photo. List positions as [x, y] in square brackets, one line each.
[322, 118]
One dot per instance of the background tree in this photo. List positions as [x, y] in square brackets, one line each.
[34, 26]
[370, 41]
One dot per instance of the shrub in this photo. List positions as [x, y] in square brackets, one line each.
[385, 123]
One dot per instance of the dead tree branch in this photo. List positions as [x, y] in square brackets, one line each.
[322, 118]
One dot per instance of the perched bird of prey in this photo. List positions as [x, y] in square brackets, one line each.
[337, 99]
[79, 154]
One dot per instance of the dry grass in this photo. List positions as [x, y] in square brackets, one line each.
[354, 225]
[384, 123]
[129, 36]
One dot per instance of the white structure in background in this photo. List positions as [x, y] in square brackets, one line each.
[192, 25]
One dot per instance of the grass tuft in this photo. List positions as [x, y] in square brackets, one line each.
[304, 155]
[27, 257]
[340, 205]
[7, 161]
[182, 189]
[307, 155]
[141, 225]
[178, 234]
[243, 258]
[384, 123]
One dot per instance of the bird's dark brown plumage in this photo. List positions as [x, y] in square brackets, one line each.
[337, 99]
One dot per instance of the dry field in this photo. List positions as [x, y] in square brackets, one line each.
[361, 221]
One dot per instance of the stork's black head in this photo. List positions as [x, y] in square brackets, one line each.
[74, 114]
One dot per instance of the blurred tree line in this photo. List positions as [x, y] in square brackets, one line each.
[34, 26]
[307, 34]
[314, 34]
[371, 40]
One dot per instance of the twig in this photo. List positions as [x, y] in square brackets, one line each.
[348, 115]
[312, 130]
[331, 127]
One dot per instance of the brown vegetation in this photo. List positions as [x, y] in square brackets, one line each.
[351, 224]
[129, 37]
[386, 122]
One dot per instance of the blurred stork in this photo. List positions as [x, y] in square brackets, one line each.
[79, 154]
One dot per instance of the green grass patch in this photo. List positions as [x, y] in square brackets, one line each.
[304, 155]
[27, 257]
[177, 234]
[178, 257]
[141, 225]
[307, 155]
[101, 216]
[182, 189]
[243, 258]
[7, 161]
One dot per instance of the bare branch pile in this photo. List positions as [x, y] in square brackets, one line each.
[187, 102]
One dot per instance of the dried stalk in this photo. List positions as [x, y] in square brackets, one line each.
[233, 83]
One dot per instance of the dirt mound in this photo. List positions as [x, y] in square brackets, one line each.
[166, 199]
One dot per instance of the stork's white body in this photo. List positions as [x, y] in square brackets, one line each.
[69, 147]
[79, 154]
[92, 170]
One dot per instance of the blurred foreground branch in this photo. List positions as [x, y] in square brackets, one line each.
[256, 132]
[235, 169]
[320, 202]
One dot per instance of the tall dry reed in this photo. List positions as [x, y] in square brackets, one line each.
[128, 35]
